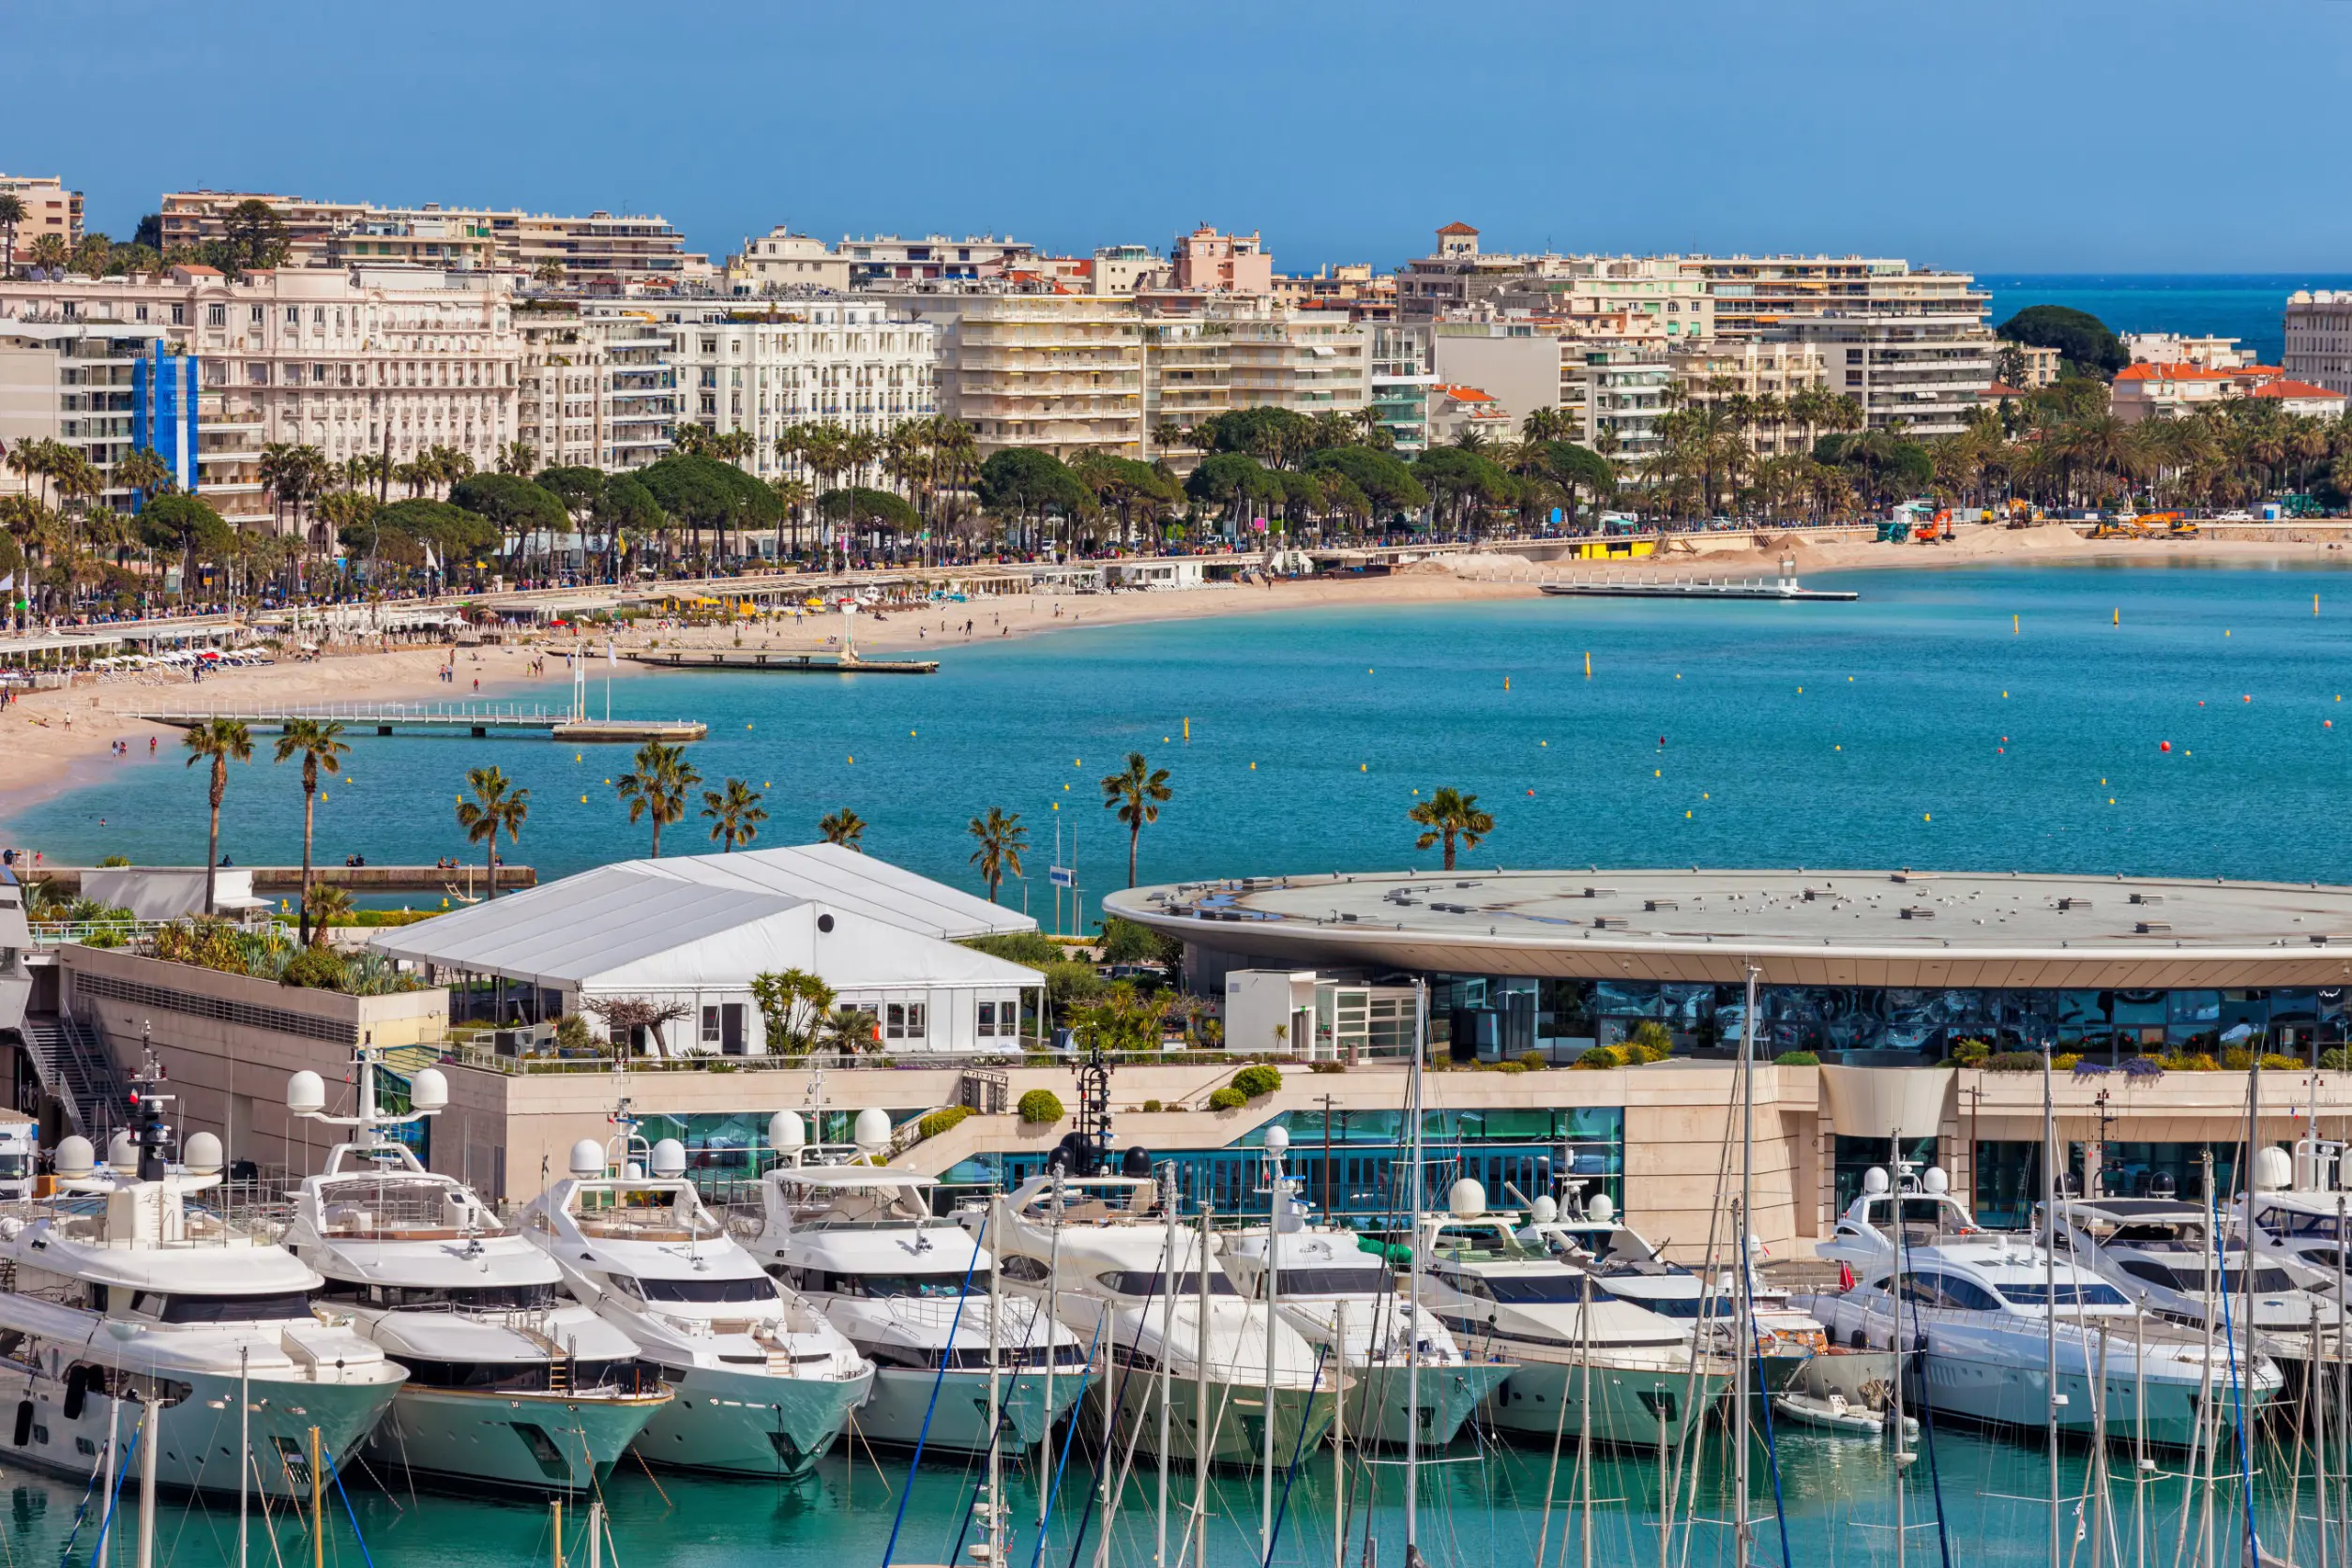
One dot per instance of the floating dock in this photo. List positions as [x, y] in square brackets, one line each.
[1758, 590]
[473, 720]
[468, 876]
[788, 664]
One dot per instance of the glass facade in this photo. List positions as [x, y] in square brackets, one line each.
[2009, 1175]
[1362, 1179]
[1854, 1157]
[1504, 1016]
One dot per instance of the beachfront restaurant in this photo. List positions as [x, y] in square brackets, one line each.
[660, 956]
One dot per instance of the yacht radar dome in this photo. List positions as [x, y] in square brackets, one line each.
[1935, 1183]
[1601, 1210]
[74, 1157]
[122, 1152]
[1875, 1179]
[1544, 1211]
[786, 1133]
[2272, 1170]
[1277, 1142]
[203, 1154]
[669, 1158]
[587, 1158]
[429, 1090]
[872, 1132]
[305, 1095]
[1466, 1199]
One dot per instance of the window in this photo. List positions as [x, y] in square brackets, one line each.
[293, 315]
[1024, 1269]
[216, 315]
[2068, 1295]
[903, 1020]
[987, 1021]
[258, 374]
[1853, 378]
[758, 1290]
[1853, 357]
[179, 316]
[710, 1026]
[256, 315]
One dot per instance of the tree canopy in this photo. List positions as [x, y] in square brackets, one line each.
[1385, 480]
[1024, 479]
[515, 506]
[2080, 336]
[857, 503]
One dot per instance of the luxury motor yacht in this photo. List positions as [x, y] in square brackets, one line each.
[1097, 1251]
[1505, 1298]
[1344, 1299]
[762, 1383]
[2173, 1259]
[1976, 1308]
[912, 1293]
[511, 1381]
[126, 1286]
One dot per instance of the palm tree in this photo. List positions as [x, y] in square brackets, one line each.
[322, 906]
[51, 252]
[1001, 839]
[657, 785]
[1449, 814]
[219, 741]
[496, 805]
[11, 213]
[144, 474]
[1136, 793]
[735, 813]
[846, 828]
[319, 744]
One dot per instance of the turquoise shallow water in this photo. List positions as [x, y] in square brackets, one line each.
[1911, 728]
[1480, 1505]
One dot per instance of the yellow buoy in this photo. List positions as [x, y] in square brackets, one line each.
[852, 761]
[1927, 817]
[1253, 767]
[1364, 767]
[1657, 772]
[1838, 748]
[1187, 728]
[2119, 615]
[1543, 742]
[1163, 738]
[1686, 816]
[2013, 628]
[746, 724]
[1800, 691]
[575, 756]
[764, 784]
[910, 733]
[1588, 666]
[1704, 795]
[583, 800]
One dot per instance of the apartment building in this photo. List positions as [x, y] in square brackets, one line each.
[1401, 377]
[1061, 372]
[934, 258]
[1620, 396]
[782, 262]
[108, 388]
[641, 395]
[1124, 269]
[1923, 364]
[364, 361]
[2320, 337]
[600, 247]
[1455, 276]
[1766, 373]
[1350, 286]
[1207, 261]
[1756, 295]
[2179, 348]
[49, 208]
[1624, 296]
[1241, 352]
[864, 365]
[562, 392]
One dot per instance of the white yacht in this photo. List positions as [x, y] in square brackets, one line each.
[1341, 1298]
[511, 1382]
[1097, 1250]
[2166, 1256]
[127, 1286]
[912, 1293]
[1504, 1298]
[762, 1383]
[2302, 1213]
[1976, 1308]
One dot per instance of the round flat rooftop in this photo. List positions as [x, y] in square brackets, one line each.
[1811, 928]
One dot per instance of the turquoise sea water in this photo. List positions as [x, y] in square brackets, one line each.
[1913, 728]
[1482, 1505]
[2250, 307]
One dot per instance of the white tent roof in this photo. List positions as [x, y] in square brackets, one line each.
[846, 880]
[632, 927]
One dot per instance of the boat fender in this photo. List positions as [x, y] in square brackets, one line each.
[23, 1422]
[77, 1388]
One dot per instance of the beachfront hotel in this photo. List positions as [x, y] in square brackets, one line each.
[1880, 976]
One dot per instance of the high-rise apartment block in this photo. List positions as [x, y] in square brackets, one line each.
[600, 247]
[2319, 338]
[49, 208]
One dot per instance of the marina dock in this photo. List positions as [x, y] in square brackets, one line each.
[1761, 588]
[358, 879]
[477, 720]
[788, 664]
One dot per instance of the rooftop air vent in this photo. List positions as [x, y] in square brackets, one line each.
[2153, 928]
[2148, 898]
[1907, 875]
[1918, 912]
[1608, 923]
[2065, 904]
[1654, 905]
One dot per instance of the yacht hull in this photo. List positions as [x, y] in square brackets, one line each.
[526, 1441]
[750, 1424]
[1380, 1403]
[1235, 1427]
[1632, 1406]
[1991, 1394]
[200, 1433]
[959, 1416]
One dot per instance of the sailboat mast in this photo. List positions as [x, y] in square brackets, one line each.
[1272, 1294]
[1201, 1423]
[996, 1400]
[1053, 1317]
[1744, 1335]
[1412, 1276]
[1168, 1340]
[2049, 1276]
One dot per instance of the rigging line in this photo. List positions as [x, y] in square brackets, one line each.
[2237, 1396]
[336, 1473]
[1772, 1457]
[946, 1354]
[1926, 1409]
[1111, 1417]
[122, 1473]
[1291, 1472]
[187, 1506]
[81, 1512]
[981, 1482]
[1053, 1488]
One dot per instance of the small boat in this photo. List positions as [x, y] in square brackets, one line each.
[1831, 1414]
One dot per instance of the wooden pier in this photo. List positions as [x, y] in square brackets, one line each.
[477, 720]
[787, 664]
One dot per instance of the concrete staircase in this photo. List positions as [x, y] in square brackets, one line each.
[76, 1070]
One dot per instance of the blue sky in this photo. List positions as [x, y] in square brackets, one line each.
[2061, 135]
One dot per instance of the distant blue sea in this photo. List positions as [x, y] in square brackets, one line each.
[2248, 306]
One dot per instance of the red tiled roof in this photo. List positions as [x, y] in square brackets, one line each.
[2183, 372]
[1466, 394]
[1458, 228]
[2001, 389]
[2292, 389]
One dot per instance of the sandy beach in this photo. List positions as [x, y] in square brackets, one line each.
[53, 741]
